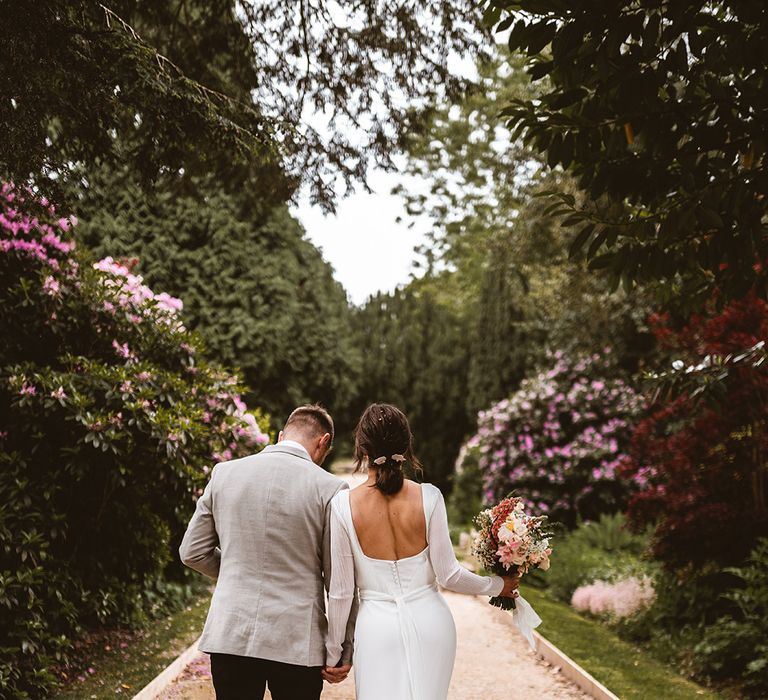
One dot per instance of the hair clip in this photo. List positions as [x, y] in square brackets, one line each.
[394, 458]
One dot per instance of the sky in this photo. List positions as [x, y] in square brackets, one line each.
[368, 250]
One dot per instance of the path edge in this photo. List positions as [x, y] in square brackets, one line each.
[161, 681]
[568, 667]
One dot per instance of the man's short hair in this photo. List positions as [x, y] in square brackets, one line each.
[311, 420]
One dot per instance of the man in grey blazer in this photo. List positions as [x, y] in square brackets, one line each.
[261, 529]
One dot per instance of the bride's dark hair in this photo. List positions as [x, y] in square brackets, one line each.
[383, 431]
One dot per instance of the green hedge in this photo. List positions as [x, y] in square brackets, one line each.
[110, 421]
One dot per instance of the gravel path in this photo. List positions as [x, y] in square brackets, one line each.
[493, 662]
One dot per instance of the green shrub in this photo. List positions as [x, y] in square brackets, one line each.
[110, 421]
[466, 499]
[602, 550]
[736, 646]
[610, 534]
[686, 602]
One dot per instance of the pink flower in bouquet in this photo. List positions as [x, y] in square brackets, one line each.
[510, 541]
[506, 554]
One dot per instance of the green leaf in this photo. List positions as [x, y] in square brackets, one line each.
[553, 152]
[491, 15]
[601, 262]
[539, 35]
[566, 98]
[580, 240]
[517, 35]
[600, 238]
[709, 218]
[575, 218]
[505, 24]
[539, 69]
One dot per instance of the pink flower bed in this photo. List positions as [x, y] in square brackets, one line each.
[621, 599]
[560, 439]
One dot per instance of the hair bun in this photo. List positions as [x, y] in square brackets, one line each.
[384, 442]
[389, 476]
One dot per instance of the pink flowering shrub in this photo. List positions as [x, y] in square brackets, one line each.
[111, 419]
[559, 439]
[618, 600]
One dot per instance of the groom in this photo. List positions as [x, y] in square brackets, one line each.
[261, 528]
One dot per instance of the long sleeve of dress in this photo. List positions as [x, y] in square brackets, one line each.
[450, 574]
[341, 592]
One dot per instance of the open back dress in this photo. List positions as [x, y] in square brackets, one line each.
[405, 637]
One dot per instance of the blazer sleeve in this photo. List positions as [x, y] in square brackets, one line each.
[336, 568]
[199, 549]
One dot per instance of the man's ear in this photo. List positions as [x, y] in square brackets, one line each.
[280, 436]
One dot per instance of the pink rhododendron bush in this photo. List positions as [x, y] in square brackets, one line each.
[617, 600]
[559, 439]
[110, 421]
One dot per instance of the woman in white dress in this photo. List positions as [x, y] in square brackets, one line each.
[390, 542]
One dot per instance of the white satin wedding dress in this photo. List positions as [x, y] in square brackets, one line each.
[405, 638]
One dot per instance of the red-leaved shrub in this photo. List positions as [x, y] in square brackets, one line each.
[704, 461]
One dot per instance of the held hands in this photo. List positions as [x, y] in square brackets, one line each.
[335, 674]
[511, 584]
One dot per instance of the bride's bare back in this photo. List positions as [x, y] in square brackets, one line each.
[389, 527]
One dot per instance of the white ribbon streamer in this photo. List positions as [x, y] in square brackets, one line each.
[526, 620]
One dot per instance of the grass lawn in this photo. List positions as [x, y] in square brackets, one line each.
[123, 663]
[619, 666]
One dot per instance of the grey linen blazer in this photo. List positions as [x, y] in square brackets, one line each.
[262, 529]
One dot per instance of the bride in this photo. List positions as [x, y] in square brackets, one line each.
[390, 542]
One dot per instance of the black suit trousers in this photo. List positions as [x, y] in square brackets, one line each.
[246, 678]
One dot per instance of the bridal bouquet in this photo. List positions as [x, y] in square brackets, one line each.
[510, 542]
